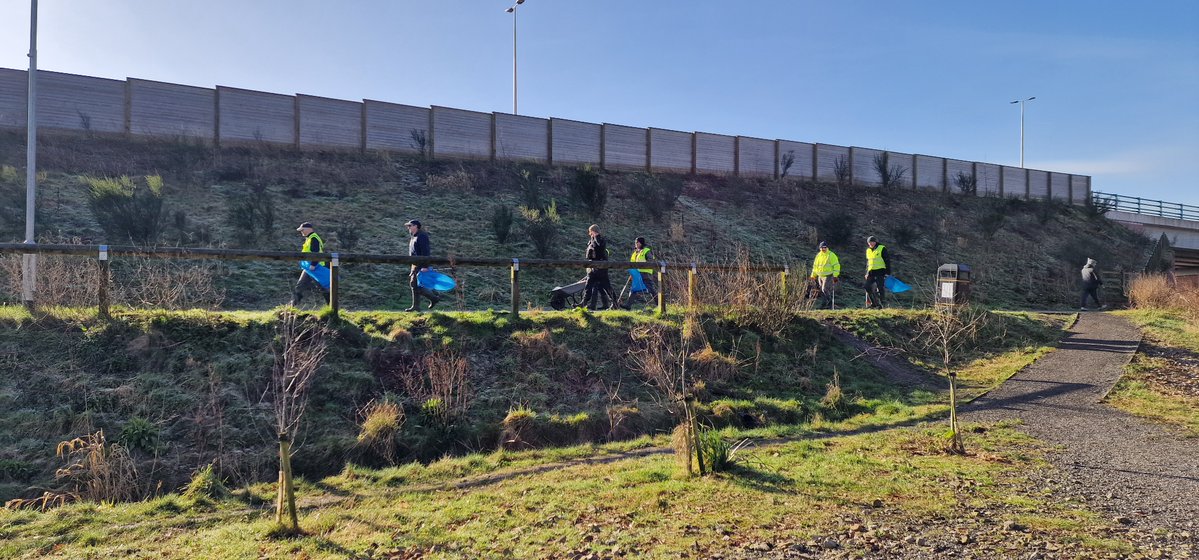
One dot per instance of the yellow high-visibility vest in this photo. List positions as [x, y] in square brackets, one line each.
[874, 258]
[639, 256]
[826, 264]
[307, 247]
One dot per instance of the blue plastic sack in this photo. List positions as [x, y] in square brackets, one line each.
[638, 284]
[436, 281]
[320, 273]
[895, 285]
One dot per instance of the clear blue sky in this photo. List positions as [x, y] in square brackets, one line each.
[1117, 82]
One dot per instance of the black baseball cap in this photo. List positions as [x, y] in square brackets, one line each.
[305, 225]
[412, 223]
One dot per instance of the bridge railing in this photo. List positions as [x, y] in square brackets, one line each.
[1145, 206]
[103, 254]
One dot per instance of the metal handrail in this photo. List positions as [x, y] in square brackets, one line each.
[1145, 206]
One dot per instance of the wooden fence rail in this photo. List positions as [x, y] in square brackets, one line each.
[104, 253]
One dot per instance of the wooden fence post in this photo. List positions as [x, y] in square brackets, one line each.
[102, 284]
[783, 280]
[515, 287]
[662, 288]
[334, 285]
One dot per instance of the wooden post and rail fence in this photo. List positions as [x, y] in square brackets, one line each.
[104, 254]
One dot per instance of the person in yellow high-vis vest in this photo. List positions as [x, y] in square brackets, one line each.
[641, 253]
[878, 267]
[312, 244]
[826, 271]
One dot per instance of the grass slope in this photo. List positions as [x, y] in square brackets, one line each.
[1161, 382]
[1024, 254]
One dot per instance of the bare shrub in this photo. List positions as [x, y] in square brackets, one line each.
[502, 218]
[588, 190]
[788, 159]
[841, 171]
[836, 228]
[61, 280]
[890, 176]
[660, 354]
[657, 194]
[166, 283]
[966, 183]
[125, 209]
[1156, 291]
[457, 180]
[440, 382]
[349, 233]
[541, 227]
[949, 331]
[755, 297]
[251, 213]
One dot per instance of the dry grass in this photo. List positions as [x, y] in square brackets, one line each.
[1156, 291]
[381, 422]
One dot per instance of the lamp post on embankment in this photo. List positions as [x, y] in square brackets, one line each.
[512, 10]
[1021, 102]
[29, 261]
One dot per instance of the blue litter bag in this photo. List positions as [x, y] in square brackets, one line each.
[319, 273]
[436, 281]
[895, 285]
[638, 284]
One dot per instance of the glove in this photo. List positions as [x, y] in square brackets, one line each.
[835, 279]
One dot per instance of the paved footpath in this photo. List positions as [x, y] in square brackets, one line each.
[1137, 472]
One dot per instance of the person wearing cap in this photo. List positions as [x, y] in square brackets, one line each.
[598, 291]
[826, 271]
[641, 253]
[878, 267]
[419, 246]
[312, 244]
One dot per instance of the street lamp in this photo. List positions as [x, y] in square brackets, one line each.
[512, 10]
[29, 261]
[1022, 102]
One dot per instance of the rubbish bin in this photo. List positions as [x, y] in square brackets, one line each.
[953, 284]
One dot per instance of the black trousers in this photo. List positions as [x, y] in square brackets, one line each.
[305, 283]
[598, 291]
[418, 291]
[876, 286]
[1092, 291]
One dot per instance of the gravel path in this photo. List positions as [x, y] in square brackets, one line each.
[1140, 474]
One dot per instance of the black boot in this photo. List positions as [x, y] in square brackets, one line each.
[415, 301]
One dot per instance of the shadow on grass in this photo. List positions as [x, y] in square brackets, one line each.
[753, 478]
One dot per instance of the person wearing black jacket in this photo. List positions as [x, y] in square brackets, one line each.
[419, 246]
[598, 292]
[878, 268]
[1090, 285]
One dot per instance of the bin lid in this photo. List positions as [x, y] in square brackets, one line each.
[956, 269]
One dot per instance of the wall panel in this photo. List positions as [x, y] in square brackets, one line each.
[390, 126]
[1082, 188]
[521, 138]
[575, 142]
[864, 172]
[459, 133]
[988, 179]
[755, 157]
[13, 90]
[1014, 182]
[1038, 184]
[827, 156]
[670, 150]
[255, 116]
[953, 168]
[1059, 184]
[930, 172]
[330, 123]
[624, 147]
[715, 153]
[71, 102]
[804, 159]
[162, 109]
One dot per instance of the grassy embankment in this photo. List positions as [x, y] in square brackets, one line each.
[1025, 254]
[1161, 382]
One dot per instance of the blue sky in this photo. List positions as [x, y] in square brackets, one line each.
[1117, 83]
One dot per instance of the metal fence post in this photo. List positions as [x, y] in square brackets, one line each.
[691, 280]
[334, 267]
[102, 284]
[515, 287]
[662, 288]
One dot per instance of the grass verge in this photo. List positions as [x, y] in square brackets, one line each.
[1161, 383]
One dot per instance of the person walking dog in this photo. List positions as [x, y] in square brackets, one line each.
[826, 271]
[419, 246]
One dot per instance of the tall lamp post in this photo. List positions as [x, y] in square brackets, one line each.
[1021, 102]
[512, 10]
[29, 261]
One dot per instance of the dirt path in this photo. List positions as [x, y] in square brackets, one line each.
[1138, 473]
